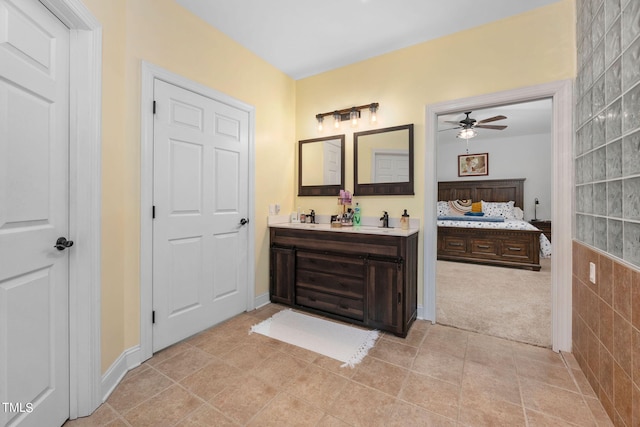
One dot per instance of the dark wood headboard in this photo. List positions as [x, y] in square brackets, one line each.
[489, 190]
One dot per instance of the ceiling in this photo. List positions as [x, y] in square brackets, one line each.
[303, 38]
[527, 118]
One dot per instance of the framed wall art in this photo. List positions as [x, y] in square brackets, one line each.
[473, 164]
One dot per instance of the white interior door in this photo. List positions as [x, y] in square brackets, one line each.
[34, 213]
[200, 193]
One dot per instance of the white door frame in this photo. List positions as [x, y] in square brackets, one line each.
[561, 195]
[85, 189]
[149, 73]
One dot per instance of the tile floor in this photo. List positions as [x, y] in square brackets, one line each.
[437, 376]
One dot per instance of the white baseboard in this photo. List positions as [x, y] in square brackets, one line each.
[128, 360]
[262, 300]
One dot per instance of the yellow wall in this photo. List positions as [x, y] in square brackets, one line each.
[528, 49]
[532, 48]
[165, 34]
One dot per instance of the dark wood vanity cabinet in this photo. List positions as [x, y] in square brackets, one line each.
[365, 279]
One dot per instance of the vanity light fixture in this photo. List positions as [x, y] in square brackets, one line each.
[352, 114]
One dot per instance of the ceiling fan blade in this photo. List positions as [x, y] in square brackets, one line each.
[496, 127]
[441, 130]
[452, 121]
[492, 119]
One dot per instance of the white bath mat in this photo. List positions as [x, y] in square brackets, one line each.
[341, 342]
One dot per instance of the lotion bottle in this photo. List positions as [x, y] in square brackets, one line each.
[356, 215]
[404, 221]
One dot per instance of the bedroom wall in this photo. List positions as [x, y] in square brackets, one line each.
[606, 314]
[527, 156]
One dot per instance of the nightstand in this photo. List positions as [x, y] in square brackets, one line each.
[544, 225]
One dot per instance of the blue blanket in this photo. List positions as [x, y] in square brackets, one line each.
[472, 218]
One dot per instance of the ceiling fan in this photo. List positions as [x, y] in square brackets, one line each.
[471, 123]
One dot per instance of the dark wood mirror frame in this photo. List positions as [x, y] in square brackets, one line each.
[386, 188]
[321, 190]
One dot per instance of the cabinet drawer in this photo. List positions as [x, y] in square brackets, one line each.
[350, 287]
[337, 265]
[517, 250]
[347, 307]
[455, 244]
[483, 247]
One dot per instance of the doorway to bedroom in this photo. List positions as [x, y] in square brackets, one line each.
[511, 141]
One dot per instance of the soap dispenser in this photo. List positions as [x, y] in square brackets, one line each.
[356, 216]
[404, 221]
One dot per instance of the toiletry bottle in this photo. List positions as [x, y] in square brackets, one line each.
[404, 220]
[356, 215]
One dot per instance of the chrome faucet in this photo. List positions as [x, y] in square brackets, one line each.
[385, 220]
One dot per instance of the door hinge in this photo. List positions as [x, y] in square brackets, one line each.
[153, 316]
[153, 212]
[154, 106]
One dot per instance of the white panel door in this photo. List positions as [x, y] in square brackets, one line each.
[200, 195]
[34, 203]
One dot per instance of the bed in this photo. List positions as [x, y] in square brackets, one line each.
[507, 243]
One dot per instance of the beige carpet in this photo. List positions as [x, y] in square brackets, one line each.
[503, 302]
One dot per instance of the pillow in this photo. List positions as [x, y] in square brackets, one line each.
[518, 213]
[442, 208]
[476, 207]
[503, 209]
[460, 207]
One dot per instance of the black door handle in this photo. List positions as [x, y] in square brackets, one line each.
[62, 244]
[244, 221]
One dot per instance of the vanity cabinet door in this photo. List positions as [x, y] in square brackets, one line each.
[282, 274]
[385, 295]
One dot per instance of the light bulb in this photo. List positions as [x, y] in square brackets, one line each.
[353, 116]
[320, 127]
[336, 120]
[373, 117]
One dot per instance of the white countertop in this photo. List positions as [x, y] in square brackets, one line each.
[362, 229]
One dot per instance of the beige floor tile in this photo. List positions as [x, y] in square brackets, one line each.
[537, 419]
[438, 364]
[358, 405]
[242, 400]
[404, 414]
[212, 379]
[490, 413]
[380, 375]
[164, 409]
[206, 416]
[287, 410]
[133, 391]
[230, 377]
[317, 386]
[189, 361]
[279, 369]
[486, 387]
[393, 352]
[102, 416]
[432, 394]
[330, 421]
[555, 401]
[554, 375]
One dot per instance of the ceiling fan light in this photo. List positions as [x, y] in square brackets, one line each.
[467, 133]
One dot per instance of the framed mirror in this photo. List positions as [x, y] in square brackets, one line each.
[383, 161]
[321, 166]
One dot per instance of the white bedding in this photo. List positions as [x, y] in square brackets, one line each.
[511, 224]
